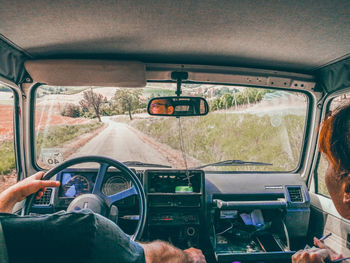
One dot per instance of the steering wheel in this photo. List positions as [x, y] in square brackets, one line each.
[97, 201]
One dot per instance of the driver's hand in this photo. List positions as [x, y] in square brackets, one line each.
[194, 255]
[32, 185]
[22, 189]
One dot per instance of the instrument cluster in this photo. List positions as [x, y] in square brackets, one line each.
[75, 183]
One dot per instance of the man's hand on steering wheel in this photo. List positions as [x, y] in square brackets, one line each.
[22, 189]
[97, 201]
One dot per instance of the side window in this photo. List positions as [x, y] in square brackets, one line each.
[321, 171]
[7, 155]
[323, 164]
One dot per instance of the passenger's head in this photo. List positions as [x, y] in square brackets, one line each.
[334, 143]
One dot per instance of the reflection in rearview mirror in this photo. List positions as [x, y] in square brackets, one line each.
[161, 107]
[178, 106]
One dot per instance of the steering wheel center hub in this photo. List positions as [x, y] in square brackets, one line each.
[88, 201]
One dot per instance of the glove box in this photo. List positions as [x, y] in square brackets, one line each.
[243, 232]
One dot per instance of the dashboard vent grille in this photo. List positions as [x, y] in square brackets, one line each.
[45, 199]
[295, 194]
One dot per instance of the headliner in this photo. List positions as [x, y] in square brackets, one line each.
[296, 36]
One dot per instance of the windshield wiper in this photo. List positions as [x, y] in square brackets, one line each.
[137, 163]
[232, 163]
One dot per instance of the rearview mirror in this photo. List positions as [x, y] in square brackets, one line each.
[178, 106]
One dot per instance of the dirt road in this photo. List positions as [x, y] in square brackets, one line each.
[119, 142]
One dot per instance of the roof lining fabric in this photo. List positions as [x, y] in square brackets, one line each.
[12, 63]
[330, 78]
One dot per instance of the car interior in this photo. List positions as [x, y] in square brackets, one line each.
[192, 122]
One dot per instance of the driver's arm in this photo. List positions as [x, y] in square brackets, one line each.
[22, 189]
[162, 252]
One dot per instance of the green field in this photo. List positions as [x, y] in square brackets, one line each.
[247, 137]
[321, 171]
[7, 157]
[157, 92]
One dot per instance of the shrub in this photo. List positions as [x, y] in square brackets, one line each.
[71, 110]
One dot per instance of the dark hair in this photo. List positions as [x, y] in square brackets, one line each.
[334, 139]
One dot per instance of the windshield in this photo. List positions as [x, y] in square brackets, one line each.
[263, 128]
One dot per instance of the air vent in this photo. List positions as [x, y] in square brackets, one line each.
[45, 199]
[295, 194]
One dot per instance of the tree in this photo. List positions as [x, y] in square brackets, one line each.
[128, 100]
[94, 101]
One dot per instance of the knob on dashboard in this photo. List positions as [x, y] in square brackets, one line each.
[191, 231]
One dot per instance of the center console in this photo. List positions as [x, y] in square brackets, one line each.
[175, 206]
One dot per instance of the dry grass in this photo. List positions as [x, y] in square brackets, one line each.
[247, 137]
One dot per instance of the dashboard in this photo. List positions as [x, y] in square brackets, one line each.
[208, 210]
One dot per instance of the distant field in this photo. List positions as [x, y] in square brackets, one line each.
[7, 157]
[247, 137]
[321, 171]
[158, 92]
[75, 90]
[6, 122]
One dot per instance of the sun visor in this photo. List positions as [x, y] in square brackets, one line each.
[336, 76]
[87, 73]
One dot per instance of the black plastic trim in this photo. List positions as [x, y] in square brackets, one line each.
[16, 128]
[32, 127]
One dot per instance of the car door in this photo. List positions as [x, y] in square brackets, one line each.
[324, 217]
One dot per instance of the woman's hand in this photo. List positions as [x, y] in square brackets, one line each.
[22, 189]
[332, 254]
[313, 255]
[317, 254]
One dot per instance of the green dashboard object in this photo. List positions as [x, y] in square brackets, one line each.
[183, 189]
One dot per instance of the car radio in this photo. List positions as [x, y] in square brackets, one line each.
[175, 206]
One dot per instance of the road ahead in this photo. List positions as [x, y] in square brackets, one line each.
[119, 142]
